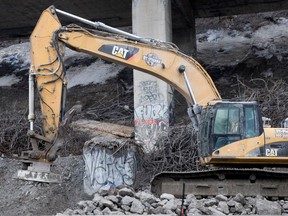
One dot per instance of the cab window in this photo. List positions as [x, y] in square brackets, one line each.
[226, 126]
[227, 121]
[250, 125]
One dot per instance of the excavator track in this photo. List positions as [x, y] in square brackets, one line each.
[270, 183]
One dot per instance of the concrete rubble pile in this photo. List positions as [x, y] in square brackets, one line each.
[125, 201]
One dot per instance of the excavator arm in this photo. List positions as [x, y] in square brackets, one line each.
[47, 78]
[160, 59]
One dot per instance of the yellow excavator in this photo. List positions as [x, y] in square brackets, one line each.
[238, 154]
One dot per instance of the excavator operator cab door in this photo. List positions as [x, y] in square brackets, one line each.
[228, 122]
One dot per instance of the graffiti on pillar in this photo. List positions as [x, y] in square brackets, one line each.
[151, 114]
[150, 121]
[165, 2]
[150, 92]
[151, 118]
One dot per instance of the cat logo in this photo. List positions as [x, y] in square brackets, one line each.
[272, 152]
[120, 51]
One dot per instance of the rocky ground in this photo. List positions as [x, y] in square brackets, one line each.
[246, 57]
[125, 201]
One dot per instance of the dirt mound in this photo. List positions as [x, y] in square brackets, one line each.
[19, 197]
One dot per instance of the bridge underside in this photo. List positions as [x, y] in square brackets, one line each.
[20, 18]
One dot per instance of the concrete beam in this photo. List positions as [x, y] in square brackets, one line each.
[213, 8]
[187, 12]
[20, 18]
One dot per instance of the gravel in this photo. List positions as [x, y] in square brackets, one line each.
[143, 203]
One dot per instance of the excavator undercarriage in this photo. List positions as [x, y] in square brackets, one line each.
[268, 182]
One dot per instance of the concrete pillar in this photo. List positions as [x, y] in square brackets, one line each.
[153, 98]
[185, 39]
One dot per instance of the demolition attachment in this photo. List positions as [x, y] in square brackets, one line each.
[38, 171]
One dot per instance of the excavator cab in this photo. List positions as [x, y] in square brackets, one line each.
[236, 155]
[227, 122]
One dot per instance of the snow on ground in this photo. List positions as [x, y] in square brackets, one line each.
[17, 54]
[97, 72]
[214, 44]
[217, 44]
[277, 29]
[9, 80]
[17, 58]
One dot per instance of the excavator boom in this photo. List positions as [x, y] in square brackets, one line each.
[160, 59]
[156, 58]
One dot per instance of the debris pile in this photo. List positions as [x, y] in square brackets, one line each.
[271, 95]
[175, 151]
[125, 201]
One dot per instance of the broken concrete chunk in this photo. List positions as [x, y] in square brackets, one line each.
[223, 207]
[240, 198]
[126, 192]
[215, 211]
[265, 207]
[167, 196]
[89, 209]
[137, 207]
[97, 212]
[112, 198]
[210, 202]
[106, 211]
[106, 203]
[239, 207]
[221, 197]
[94, 127]
[127, 200]
[146, 197]
[125, 207]
[171, 205]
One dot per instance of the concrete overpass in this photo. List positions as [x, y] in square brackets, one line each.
[19, 18]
